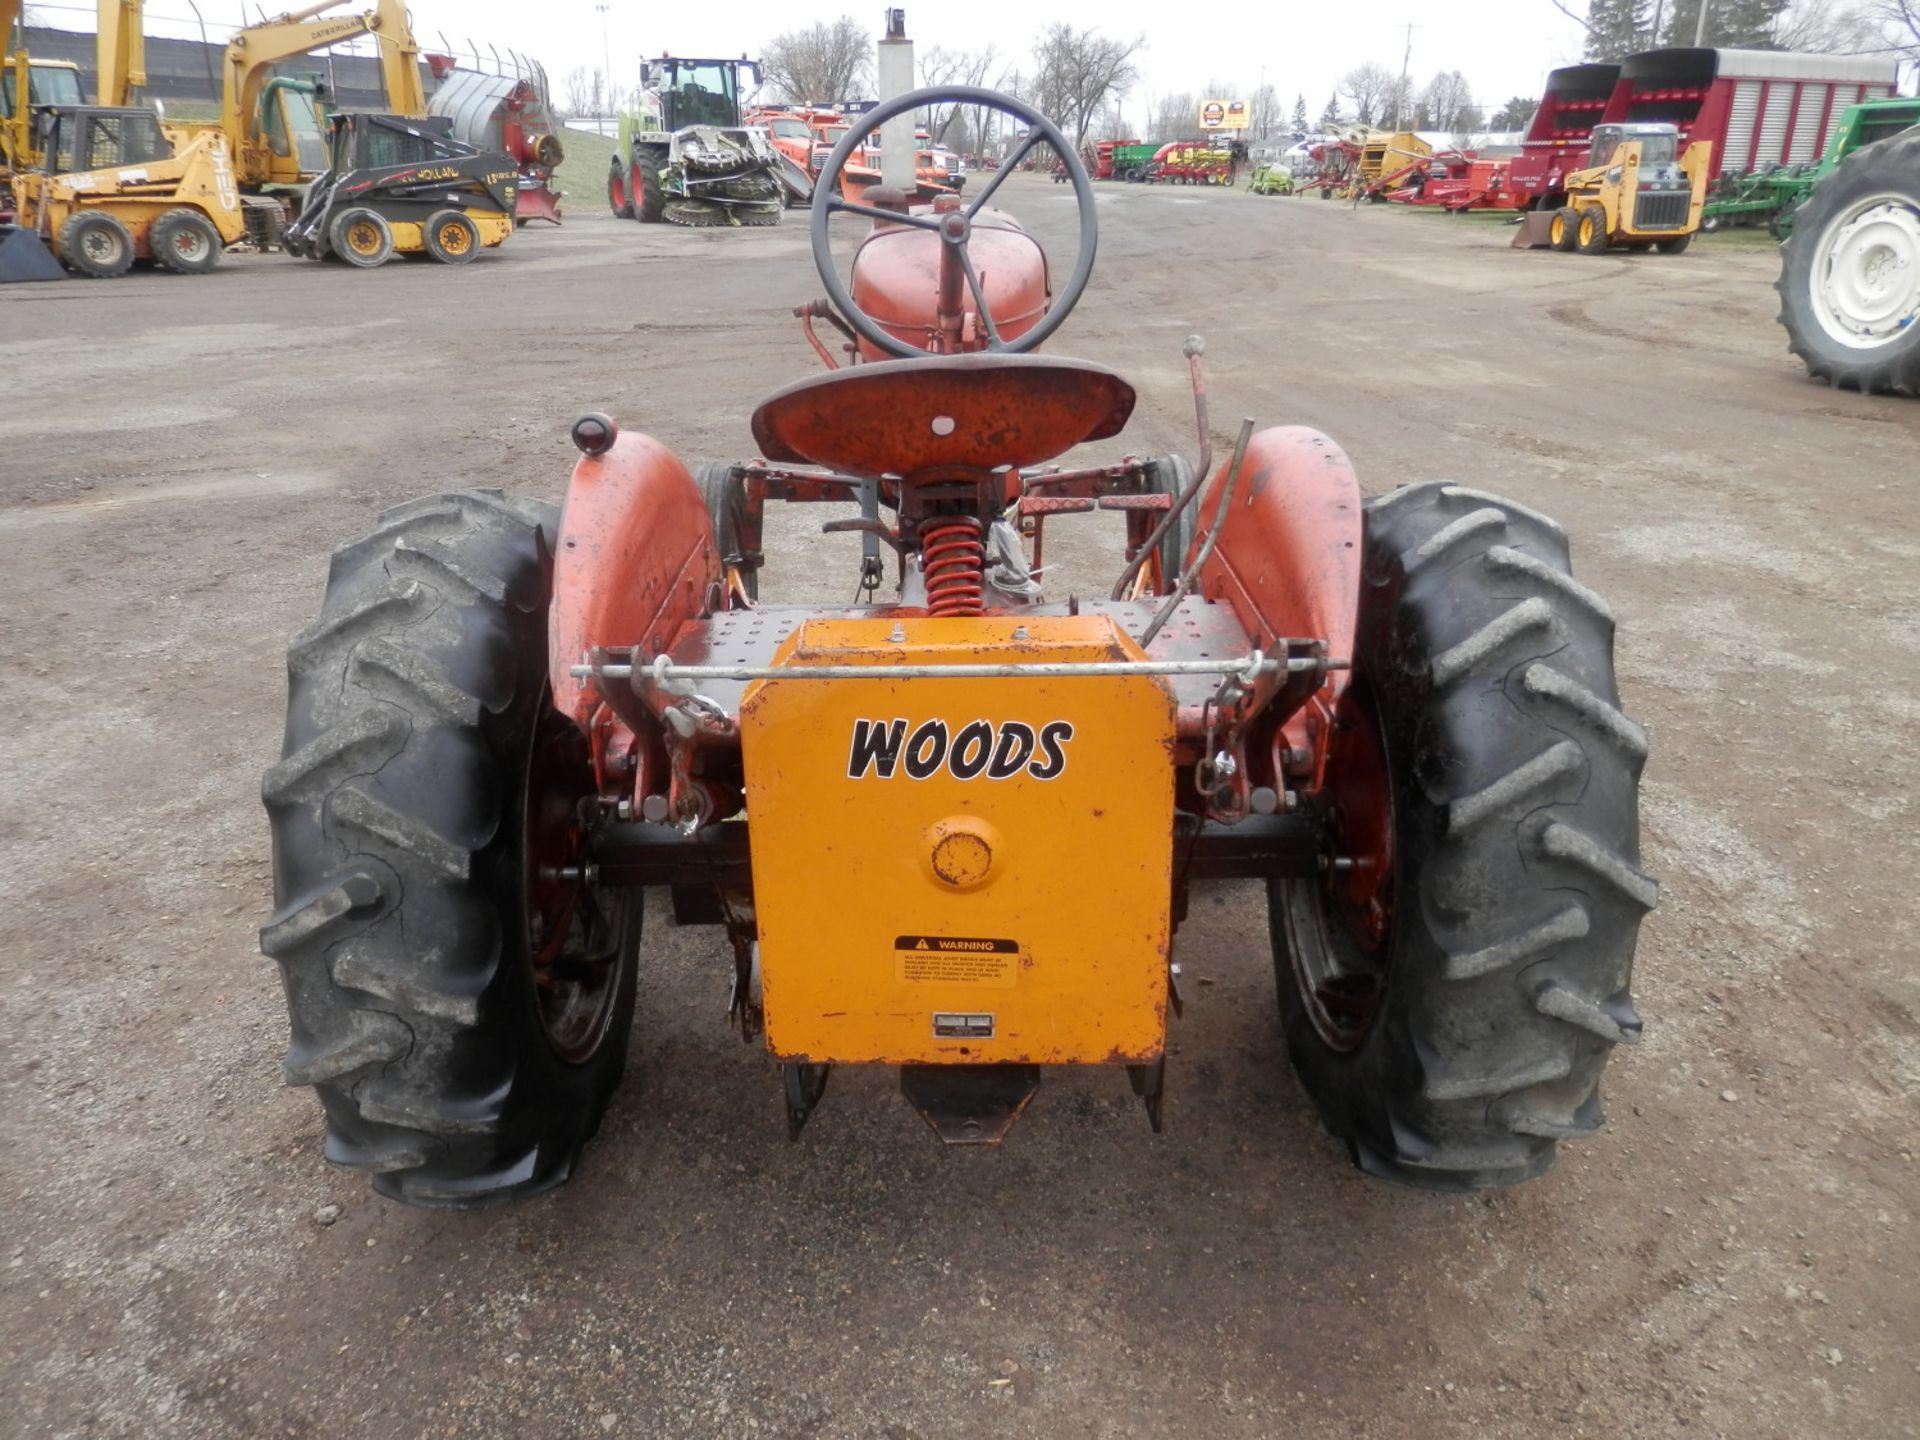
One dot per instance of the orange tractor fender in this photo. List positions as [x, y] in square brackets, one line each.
[636, 558]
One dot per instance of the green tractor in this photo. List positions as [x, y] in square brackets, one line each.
[1772, 197]
[684, 157]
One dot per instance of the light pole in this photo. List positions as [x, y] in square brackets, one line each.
[606, 53]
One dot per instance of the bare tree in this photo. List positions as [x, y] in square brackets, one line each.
[576, 93]
[1175, 117]
[1902, 18]
[1447, 103]
[1077, 72]
[1263, 113]
[822, 63]
[941, 67]
[1832, 27]
[1371, 89]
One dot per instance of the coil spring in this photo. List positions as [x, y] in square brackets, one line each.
[955, 563]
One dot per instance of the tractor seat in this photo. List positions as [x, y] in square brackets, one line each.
[974, 411]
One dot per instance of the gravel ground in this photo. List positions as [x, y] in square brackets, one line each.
[1734, 1257]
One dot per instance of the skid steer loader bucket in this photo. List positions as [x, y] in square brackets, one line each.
[24, 256]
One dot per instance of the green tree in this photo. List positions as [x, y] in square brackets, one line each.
[1330, 116]
[1617, 28]
[1516, 114]
[1299, 114]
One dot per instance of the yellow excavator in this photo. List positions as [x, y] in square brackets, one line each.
[24, 84]
[272, 123]
[275, 137]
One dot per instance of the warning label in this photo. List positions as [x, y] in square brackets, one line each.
[957, 960]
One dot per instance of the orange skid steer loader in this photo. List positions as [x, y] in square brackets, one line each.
[510, 719]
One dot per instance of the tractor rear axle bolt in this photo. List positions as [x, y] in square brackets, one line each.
[1263, 800]
[654, 808]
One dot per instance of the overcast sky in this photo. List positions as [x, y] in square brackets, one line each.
[1504, 47]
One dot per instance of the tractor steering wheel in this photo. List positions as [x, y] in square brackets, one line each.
[954, 227]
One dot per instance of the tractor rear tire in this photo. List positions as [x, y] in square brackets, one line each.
[650, 199]
[1592, 232]
[1850, 271]
[1563, 232]
[460, 1005]
[361, 237]
[185, 242]
[619, 198]
[451, 237]
[734, 534]
[1457, 1041]
[96, 244]
[1676, 246]
[1169, 475]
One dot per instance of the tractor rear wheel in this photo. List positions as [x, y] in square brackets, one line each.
[734, 534]
[451, 237]
[1169, 475]
[1563, 231]
[1451, 992]
[460, 996]
[649, 198]
[619, 198]
[185, 242]
[1593, 231]
[1850, 271]
[96, 244]
[361, 237]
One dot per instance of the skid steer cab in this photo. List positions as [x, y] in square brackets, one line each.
[111, 191]
[398, 186]
[1637, 191]
[954, 825]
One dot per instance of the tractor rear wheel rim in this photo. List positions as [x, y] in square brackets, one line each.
[1341, 925]
[363, 237]
[573, 947]
[453, 238]
[190, 245]
[1866, 272]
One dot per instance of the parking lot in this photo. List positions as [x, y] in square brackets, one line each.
[1734, 1256]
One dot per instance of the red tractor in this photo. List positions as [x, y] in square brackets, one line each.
[954, 827]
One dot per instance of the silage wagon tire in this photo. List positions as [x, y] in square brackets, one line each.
[1456, 1034]
[361, 237]
[1563, 232]
[1676, 246]
[650, 198]
[425, 806]
[1169, 475]
[1591, 237]
[185, 241]
[96, 244]
[451, 237]
[619, 198]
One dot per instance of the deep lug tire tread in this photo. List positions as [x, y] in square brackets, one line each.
[411, 703]
[1520, 891]
[1893, 165]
